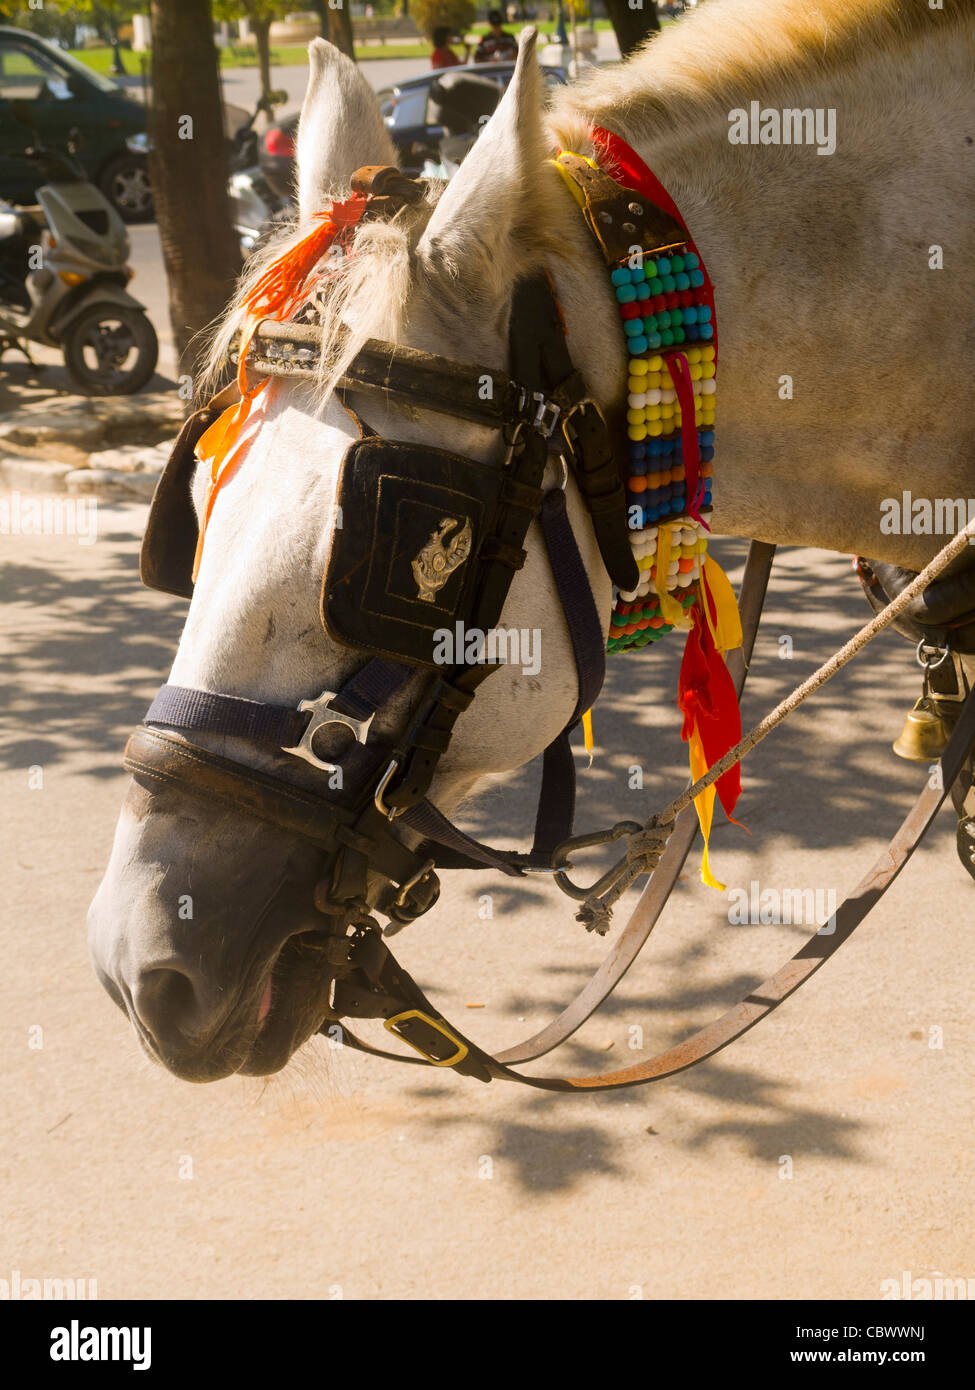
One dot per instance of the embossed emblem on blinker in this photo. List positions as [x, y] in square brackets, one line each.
[438, 558]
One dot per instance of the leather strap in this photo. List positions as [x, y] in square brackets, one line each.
[620, 218]
[423, 380]
[760, 1002]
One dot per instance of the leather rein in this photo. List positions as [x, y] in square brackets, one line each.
[541, 408]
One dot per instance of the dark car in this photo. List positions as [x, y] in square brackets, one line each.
[67, 100]
[412, 114]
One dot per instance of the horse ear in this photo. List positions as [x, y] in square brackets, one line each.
[492, 201]
[341, 128]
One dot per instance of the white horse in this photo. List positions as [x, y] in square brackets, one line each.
[826, 274]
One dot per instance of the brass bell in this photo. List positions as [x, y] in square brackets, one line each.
[923, 738]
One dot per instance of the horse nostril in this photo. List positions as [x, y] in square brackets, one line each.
[169, 1005]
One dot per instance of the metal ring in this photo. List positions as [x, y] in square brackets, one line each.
[564, 481]
[377, 796]
[923, 645]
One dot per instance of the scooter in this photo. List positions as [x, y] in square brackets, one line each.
[460, 105]
[63, 273]
[257, 208]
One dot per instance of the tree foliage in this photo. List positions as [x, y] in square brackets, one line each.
[456, 15]
[261, 15]
[60, 19]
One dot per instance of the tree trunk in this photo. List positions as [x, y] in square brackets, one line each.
[188, 168]
[262, 33]
[336, 26]
[632, 26]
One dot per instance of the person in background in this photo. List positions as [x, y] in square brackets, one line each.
[443, 56]
[497, 45]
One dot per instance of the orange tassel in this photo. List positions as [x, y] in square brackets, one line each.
[278, 293]
[281, 288]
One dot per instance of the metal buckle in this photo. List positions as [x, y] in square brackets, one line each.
[377, 796]
[460, 1054]
[574, 410]
[404, 891]
[322, 713]
[546, 414]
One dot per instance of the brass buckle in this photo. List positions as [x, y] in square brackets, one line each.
[567, 415]
[461, 1053]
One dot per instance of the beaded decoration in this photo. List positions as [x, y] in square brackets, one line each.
[668, 323]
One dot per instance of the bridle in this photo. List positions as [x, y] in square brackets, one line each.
[482, 513]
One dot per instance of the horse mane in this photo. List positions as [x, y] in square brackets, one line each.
[350, 312]
[725, 53]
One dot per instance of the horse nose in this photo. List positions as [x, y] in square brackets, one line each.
[173, 1005]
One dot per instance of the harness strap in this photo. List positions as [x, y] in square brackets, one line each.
[203, 711]
[556, 802]
[731, 1025]
[409, 376]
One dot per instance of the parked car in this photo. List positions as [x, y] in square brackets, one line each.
[70, 103]
[411, 115]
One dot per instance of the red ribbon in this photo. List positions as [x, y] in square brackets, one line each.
[706, 696]
[680, 375]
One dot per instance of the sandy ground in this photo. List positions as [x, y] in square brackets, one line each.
[826, 1152]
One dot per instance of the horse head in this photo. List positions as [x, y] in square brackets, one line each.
[201, 927]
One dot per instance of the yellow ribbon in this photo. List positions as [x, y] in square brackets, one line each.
[726, 626]
[670, 610]
[567, 178]
[587, 733]
[704, 806]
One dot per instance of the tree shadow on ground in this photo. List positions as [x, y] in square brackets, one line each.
[102, 626]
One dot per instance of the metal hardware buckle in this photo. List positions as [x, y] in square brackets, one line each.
[546, 414]
[574, 410]
[322, 713]
[404, 891]
[377, 796]
[459, 1055]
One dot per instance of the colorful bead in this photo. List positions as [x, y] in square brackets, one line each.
[661, 307]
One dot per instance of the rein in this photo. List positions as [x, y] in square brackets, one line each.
[463, 570]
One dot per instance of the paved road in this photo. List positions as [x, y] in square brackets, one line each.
[826, 1152]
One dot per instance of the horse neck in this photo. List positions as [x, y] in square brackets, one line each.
[821, 277]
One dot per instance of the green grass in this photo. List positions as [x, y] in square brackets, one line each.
[289, 55]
